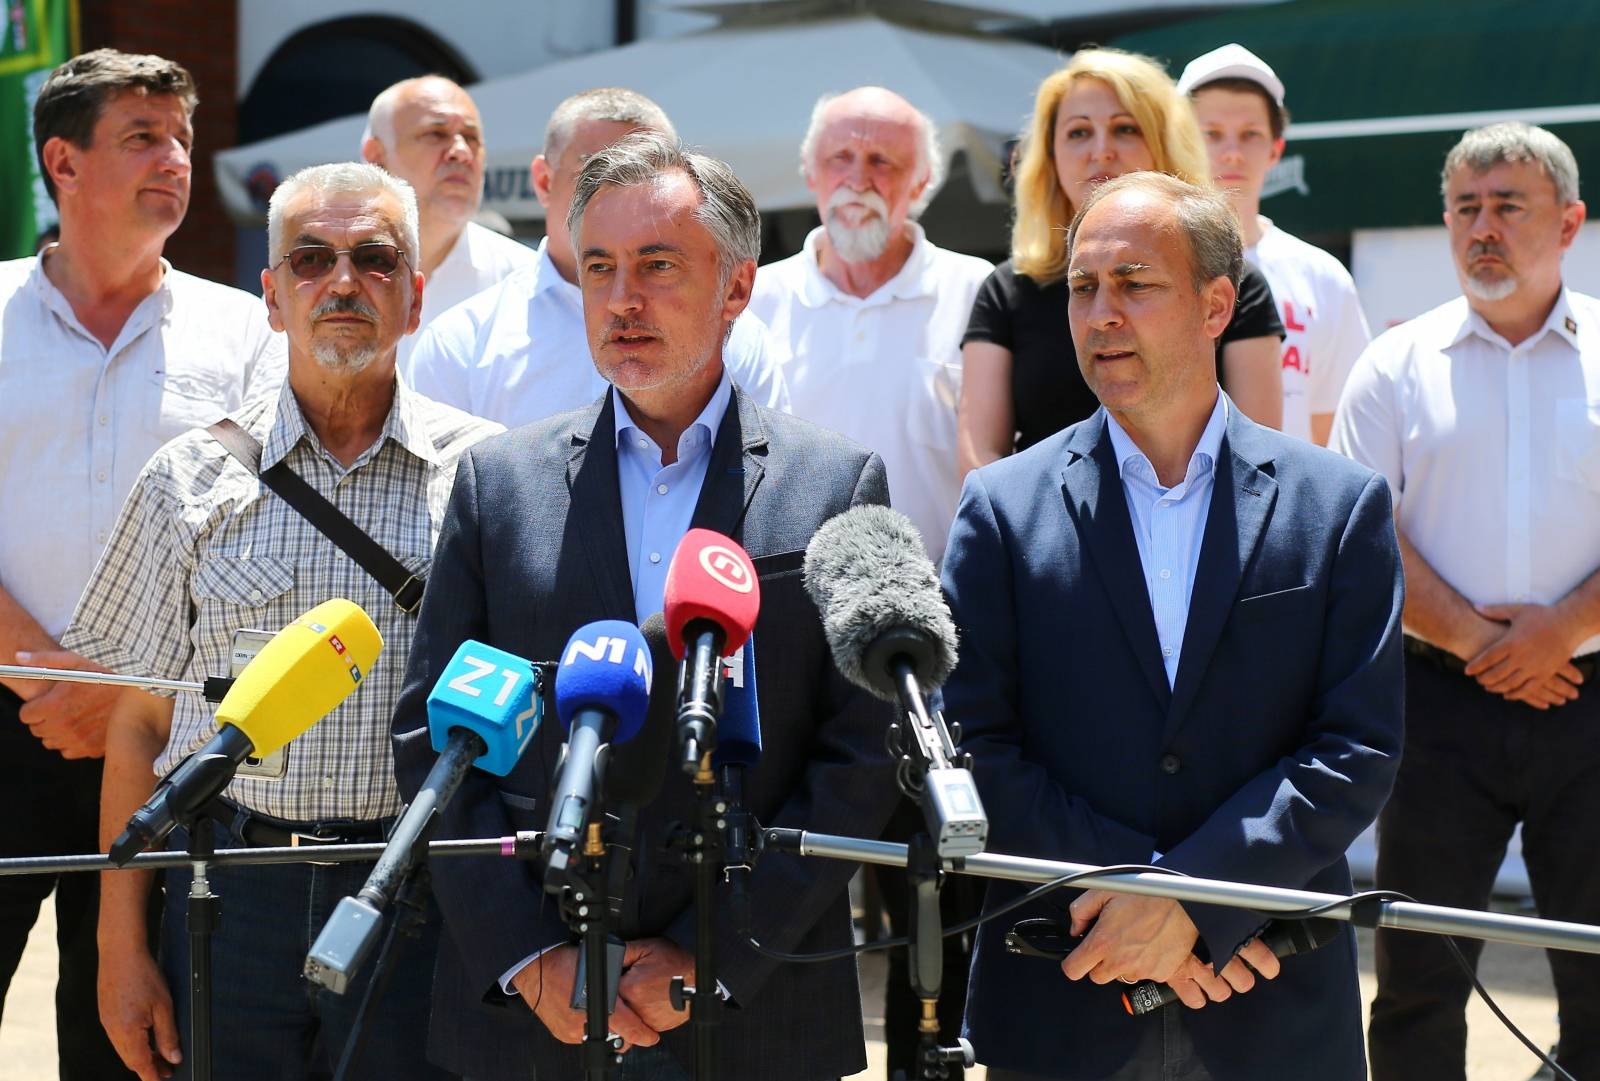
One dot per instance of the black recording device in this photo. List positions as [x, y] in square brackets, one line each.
[1053, 940]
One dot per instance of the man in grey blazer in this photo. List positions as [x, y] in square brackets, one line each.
[575, 519]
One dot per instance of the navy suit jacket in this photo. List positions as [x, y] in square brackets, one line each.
[532, 549]
[1273, 749]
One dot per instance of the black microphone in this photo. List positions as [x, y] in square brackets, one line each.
[1284, 938]
[638, 767]
[891, 634]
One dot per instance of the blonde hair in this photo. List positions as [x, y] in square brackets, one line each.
[1165, 118]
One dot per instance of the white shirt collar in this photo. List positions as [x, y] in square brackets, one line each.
[1205, 453]
[1561, 321]
[915, 279]
[546, 276]
[152, 308]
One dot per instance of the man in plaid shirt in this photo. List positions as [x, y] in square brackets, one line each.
[203, 549]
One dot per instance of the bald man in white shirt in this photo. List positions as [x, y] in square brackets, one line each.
[1484, 416]
[427, 132]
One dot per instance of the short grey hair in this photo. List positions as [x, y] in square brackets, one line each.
[928, 149]
[613, 104]
[1204, 216]
[727, 209]
[343, 178]
[1512, 141]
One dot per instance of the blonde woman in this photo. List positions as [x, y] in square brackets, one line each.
[1106, 113]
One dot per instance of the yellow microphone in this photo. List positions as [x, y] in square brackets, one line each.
[299, 677]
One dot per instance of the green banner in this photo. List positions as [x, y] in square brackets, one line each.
[35, 36]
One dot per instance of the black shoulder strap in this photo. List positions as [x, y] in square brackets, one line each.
[386, 570]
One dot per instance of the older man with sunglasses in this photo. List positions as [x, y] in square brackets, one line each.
[203, 549]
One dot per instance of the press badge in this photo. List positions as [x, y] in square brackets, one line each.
[246, 644]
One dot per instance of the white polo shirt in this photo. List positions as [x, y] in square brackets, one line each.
[518, 352]
[78, 421]
[1324, 327]
[885, 369]
[478, 259]
[1492, 452]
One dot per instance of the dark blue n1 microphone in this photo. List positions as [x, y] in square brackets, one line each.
[739, 733]
[602, 696]
[738, 747]
[483, 712]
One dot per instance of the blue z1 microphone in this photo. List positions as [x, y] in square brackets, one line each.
[602, 695]
[483, 712]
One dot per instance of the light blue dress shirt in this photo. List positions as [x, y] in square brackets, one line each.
[658, 501]
[1168, 525]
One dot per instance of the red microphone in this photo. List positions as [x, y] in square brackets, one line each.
[711, 602]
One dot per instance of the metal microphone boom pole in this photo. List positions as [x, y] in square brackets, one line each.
[1367, 912]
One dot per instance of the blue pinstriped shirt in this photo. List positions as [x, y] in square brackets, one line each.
[1168, 524]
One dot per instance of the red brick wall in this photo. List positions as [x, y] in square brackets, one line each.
[204, 37]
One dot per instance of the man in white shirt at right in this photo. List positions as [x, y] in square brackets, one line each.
[518, 352]
[1484, 416]
[1238, 100]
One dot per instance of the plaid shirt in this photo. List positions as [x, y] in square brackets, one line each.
[203, 548]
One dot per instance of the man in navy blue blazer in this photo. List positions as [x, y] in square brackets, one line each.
[1180, 646]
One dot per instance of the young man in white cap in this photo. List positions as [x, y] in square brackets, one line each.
[1238, 100]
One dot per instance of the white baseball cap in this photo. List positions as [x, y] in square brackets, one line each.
[1231, 61]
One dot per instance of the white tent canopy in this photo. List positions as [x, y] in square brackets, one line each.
[743, 94]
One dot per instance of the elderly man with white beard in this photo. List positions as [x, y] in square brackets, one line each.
[866, 320]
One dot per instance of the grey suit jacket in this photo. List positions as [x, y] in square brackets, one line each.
[533, 548]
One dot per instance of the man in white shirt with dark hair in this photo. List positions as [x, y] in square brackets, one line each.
[866, 320]
[1238, 100]
[106, 352]
[1481, 414]
[518, 351]
[426, 131]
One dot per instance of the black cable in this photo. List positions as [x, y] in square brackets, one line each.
[1293, 914]
[1455, 952]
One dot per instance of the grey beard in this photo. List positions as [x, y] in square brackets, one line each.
[859, 243]
[352, 360]
[1491, 291]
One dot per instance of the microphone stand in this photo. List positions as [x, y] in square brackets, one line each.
[204, 916]
[585, 908]
[698, 709]
[584, 892]
[702, 847]
[925, 745]
[410, 916]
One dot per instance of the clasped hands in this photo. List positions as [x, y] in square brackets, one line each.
[1132, 938]
[1523, 652]
[643, 1008]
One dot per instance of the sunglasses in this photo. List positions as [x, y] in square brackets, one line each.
[312, 261]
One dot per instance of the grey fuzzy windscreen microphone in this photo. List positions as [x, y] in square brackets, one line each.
[871, 578]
